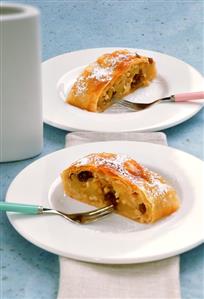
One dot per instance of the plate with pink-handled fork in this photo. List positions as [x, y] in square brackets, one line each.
[174, 96]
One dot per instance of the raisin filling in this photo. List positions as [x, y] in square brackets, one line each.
[83, 176]
[111, 198]
[142, 208]
[136, 79]
[150, 60]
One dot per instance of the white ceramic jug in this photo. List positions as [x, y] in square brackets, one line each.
[21, 125]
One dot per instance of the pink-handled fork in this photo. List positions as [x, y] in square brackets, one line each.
[180, 97]
[188, 96]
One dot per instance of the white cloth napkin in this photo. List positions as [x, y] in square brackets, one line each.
[155, 280]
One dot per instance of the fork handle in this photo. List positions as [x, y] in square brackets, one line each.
[20, 208]
[188, 96]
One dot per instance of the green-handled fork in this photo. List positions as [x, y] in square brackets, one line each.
[85, 217]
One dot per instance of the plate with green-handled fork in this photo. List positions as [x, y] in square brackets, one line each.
[113, 239]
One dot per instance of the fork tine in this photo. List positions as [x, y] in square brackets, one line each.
[98, 211]
[128, 105]
[93, 214]
[87, 219]
[101, 213]
[136, 106]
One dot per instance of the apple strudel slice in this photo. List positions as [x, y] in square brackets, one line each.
[109, 78]
[136, 192]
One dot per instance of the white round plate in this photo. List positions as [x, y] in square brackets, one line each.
[114, 239]
[174, 76]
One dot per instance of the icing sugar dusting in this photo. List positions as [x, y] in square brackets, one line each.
[119, 58]
[100, 73]
[82, 161]
[116, 162]
[80, 86]
[158, 187]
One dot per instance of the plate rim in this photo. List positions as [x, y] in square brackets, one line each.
[106, 260]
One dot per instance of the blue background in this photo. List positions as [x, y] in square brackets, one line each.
[172, 27]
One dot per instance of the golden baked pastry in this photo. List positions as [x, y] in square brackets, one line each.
[111, 77]
[136, 192]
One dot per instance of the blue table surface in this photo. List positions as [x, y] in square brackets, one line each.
[172, 27]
